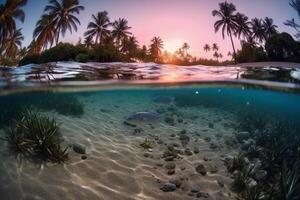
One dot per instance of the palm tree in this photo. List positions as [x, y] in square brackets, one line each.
[99, 27]
[130, 46]
[258, 30]
[9, 12]
[156, 48]
[120, 30]
[220, 55]
[185, 47]
[227, 23]
[216, 55]
[44, 34]
[292, 23]
[63, 13]
[206, 48]
[243, 25]
[269, 27]
[14, 44]
[215, 47]
[88, 41]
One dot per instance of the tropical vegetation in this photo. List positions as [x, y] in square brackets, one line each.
[107, 40]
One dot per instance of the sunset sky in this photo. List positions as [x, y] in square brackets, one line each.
[175, 21]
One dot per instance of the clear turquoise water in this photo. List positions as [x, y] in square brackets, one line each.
[96, 120]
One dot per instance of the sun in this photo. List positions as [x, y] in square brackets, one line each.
[173, 45]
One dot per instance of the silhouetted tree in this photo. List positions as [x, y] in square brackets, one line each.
[215, 47]
[206, 48]
[156, 48]
[9, 13]
[99, 28]
[243, 26]
[258, 30]
[14, 44]
[269, 27]
[292, 23]
[226, 22]
[63, 13]
[120, 31]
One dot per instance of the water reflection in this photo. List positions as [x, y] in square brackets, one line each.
[72, 71]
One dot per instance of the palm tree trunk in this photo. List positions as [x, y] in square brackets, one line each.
[234, 53]
[57, 38]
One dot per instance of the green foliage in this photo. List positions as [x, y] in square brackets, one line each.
[36, 136]
[107, 53]
[30, 59]
[61, 52]
[242, 179]
[251, 53]
[146, 144]
[282, 47]
[237, 163]
[82, 58]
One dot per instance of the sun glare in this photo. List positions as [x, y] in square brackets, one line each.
[173, 45]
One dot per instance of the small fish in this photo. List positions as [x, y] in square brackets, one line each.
[146, 117]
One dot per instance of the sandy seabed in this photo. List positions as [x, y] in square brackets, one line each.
[117, 167]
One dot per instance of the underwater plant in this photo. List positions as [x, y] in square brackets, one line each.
[237, 163]
[146, 144]
[275, 144]
[252, 193]
[290, 182]
[36, 136]
[242, 179]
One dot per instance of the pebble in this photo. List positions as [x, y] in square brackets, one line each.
[202, 194]
[168, 187]
[206, 159]
[188, 152]
[184, 139]
[138, 130]
[170, 165]
[207, 139]
[171, 172]
[170, 121]
[83, 157]
[210, 125]
[146, 155]
[159, 164]
[194, 190]
[201, 169]
[220, 183]
[196, 150]
[176, 182]
[78, 148]
[169, 158]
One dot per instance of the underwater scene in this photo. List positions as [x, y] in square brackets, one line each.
[181, 142]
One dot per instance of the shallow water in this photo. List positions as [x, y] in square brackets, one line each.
[117, 167]
[193, 118]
